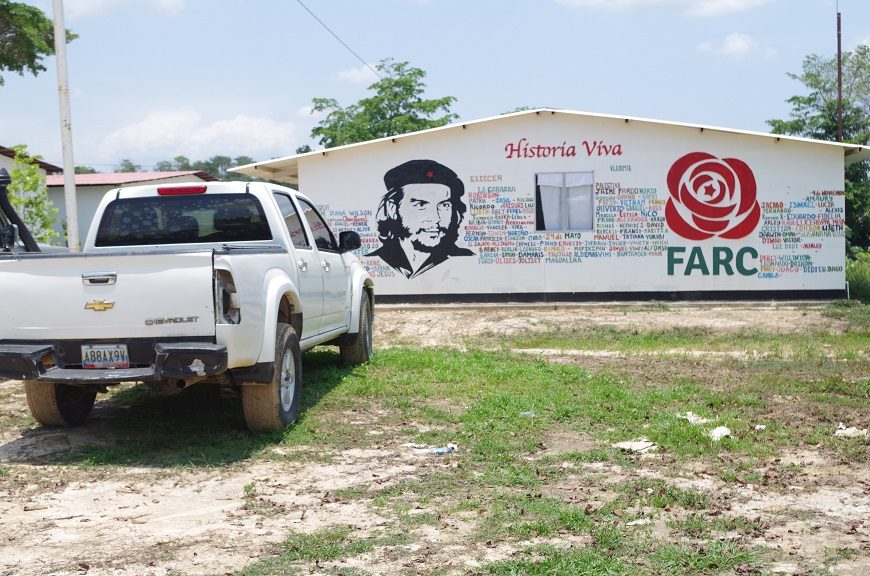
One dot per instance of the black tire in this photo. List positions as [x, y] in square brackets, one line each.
[360, 351]
[272, 407]
[55, 404]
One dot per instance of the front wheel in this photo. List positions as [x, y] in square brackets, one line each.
[360, 351]
[56, 404]
[272, 407]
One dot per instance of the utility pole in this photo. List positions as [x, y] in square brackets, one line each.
[69, 169]
[839, 78]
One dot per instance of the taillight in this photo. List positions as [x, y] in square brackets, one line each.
[179, 190]
[227, 303]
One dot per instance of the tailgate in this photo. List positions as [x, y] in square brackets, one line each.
[118, 296]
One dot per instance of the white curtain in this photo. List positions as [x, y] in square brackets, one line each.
[566, 200]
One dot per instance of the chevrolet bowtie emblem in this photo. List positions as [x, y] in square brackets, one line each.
[99, 305]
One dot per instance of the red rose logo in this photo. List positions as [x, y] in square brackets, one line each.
[711, 197]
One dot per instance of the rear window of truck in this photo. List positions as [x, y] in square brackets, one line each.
[183, 219]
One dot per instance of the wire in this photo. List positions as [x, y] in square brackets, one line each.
[343, 43]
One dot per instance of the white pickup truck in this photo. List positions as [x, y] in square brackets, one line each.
[222, 282]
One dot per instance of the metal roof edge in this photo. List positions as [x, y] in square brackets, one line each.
[48, 168]
[124, 178]
[862, 151]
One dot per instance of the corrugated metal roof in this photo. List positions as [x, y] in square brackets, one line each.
[286, 168]
[121, 178]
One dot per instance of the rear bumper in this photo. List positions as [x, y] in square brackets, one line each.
[170, 360]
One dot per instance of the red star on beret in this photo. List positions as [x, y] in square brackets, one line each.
[430, 174]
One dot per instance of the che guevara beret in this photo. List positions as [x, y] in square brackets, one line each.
[423, 172]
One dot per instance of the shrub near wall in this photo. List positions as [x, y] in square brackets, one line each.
[858, 276]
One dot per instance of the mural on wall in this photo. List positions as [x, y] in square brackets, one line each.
[419, 217]
[610, 211]
[711, 197]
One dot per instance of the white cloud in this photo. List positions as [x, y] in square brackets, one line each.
[737, 46]
[361, 75]
[167, 134]
[614, 4]
[707, 8]
[734, 45]
[697, 8]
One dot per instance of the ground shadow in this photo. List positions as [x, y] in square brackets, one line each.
[199, 427]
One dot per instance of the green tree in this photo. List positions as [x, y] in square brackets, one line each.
[176, 164]
[814, 115]
[28, 194]
[85, 170]
[127, 165]
[216, 166]
[26, 37]
[396, 107]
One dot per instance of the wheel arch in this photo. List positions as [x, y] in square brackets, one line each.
[283, 305]
[361, 282]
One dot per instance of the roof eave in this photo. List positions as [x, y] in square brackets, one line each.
[857, 154]
[287, 172]
[286, 169]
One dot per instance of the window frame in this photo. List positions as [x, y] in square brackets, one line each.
[303, 203]
[302, 224]
[564, 206]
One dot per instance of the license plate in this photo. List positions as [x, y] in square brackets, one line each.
[104, 356]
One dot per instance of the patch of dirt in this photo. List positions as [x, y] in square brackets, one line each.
[435, 326]
[813, 510]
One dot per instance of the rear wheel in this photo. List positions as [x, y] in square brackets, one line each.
[55, 404]
[273, 406]
[361, 350]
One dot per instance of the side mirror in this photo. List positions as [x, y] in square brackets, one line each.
[9, 237]
[348, 240]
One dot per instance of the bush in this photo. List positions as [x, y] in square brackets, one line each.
[858, 275]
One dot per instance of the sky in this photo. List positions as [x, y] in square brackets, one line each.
[154, 79]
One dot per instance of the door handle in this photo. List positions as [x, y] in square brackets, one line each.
[99, 278]
[303, 266]
[325, 265]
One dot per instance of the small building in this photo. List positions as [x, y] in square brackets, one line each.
[7, 159]
[90, 189]
[562, 205]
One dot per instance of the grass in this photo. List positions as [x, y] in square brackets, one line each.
[529, 515]
[552, 561]
[324, 546]
[858, 277]
[674, 341]
[506, 483]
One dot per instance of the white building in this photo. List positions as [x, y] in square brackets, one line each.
[7, 160]
[561, 205]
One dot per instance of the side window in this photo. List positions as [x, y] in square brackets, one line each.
[292, 221]
[323, 237]
[564, 201]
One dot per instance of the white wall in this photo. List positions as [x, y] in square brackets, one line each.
[87, 200]
[797, 244]
[6, 162]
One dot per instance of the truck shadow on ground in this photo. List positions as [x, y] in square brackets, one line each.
[199, 427]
